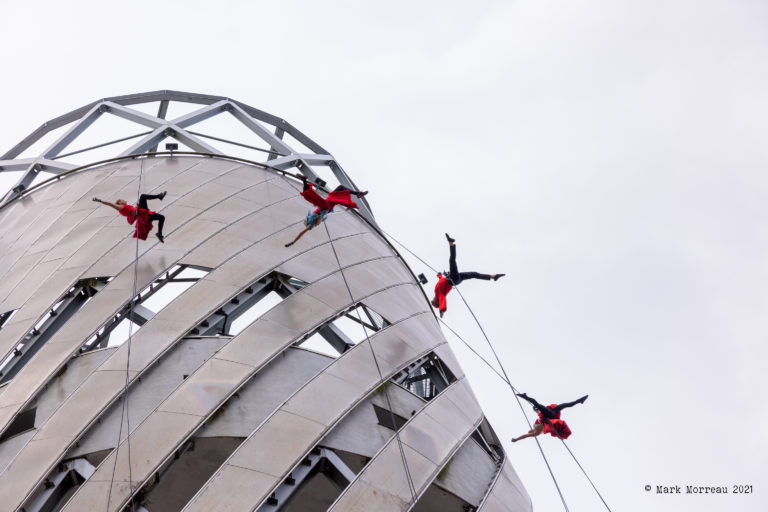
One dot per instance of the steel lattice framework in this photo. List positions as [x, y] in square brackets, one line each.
[221, 370]
[267, 129]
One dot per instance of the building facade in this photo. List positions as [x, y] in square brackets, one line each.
[220, 370]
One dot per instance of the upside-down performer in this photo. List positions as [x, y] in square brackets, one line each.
[447, 280]
[549, 421]
[340, 195]
[140, 214]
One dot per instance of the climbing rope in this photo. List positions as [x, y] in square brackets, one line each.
[407, 471]
[586, 475]
[504, 377]
[472, 349]
[517, 398]
[124, 414]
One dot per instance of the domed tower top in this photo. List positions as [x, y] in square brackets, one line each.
[270, 140]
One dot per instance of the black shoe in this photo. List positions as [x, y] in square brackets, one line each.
[97, 199]
[496, 277]
[450, 240]
[522, 395]
[583, 399]
[162, 195]
[362, 194]
[161, 238]
[289, 244]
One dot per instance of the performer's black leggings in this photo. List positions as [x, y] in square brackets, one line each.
[551, 414]
[155, 216]
[455, 277]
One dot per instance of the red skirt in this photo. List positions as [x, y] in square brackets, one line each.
[557, 428]
[143, 224]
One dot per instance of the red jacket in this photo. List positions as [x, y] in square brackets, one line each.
[143, 226]
[441, 290]
[342, 197]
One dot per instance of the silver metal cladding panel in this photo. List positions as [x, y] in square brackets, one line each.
[507, 493]
[320, 404]
[234, 219]
[427, 446]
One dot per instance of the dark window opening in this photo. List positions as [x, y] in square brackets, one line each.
[69, 304]
[386, 417]
[145, 305]
[312, 485]
[425, 377]
[23, 422]
[5, 317]
[345, 331]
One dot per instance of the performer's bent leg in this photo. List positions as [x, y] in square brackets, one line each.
[570, 404]
[160, 222]
[143, 198]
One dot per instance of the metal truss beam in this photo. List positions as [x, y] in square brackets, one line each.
[68, 475]
[264, 126]
[319, 459]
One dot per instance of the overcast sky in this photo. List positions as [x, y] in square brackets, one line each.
[609, 156]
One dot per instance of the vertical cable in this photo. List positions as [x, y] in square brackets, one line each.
[505, 377]
[125, 413]
[406, 470]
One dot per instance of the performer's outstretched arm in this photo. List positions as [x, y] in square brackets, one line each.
[317, 222]
[115, 206]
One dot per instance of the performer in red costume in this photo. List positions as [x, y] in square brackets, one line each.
[340, 195]
[447, 280]
[549, 421]
[140, 214]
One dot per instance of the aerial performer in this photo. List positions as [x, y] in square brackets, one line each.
[447, 280]
[340, 195]
[140, 214]
[549, 421]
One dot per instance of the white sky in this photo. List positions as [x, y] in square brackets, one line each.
[609, 156]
